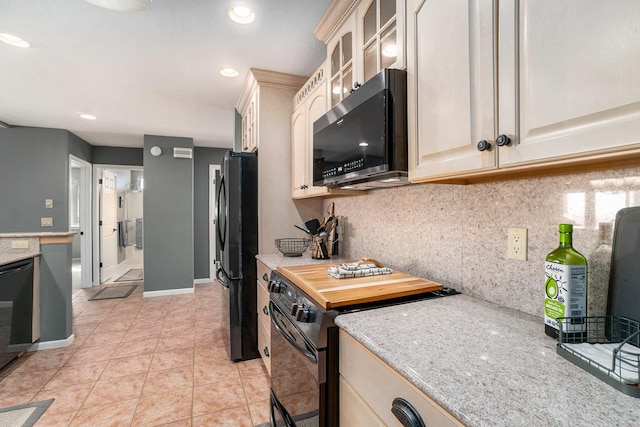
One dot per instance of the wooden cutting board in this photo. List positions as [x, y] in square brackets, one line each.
[331, 293]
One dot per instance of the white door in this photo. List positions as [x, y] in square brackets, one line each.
[109, 226]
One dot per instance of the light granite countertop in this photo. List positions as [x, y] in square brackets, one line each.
[15, 257]
[273, 261]
[38, 234]
[488, 365]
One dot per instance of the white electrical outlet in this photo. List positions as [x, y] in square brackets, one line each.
[517, 244]
[20, 244]
[46, 222]
[48, 203]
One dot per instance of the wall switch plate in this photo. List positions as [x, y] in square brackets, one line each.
[48, 203]
[19, 244]
[517, 244]
[46, 222]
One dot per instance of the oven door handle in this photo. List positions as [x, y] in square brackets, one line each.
[284, 332]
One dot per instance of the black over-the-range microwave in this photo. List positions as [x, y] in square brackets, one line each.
[362, 142]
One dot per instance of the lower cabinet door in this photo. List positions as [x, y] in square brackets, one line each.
[264, 344]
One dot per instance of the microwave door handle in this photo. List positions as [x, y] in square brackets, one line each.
[282, 330]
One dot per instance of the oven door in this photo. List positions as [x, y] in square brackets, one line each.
[295, 389]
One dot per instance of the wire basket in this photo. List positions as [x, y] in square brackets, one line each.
[609, 348]
[292, 246]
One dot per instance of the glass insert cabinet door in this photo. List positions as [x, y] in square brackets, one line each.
[342, 68]
[380, 49]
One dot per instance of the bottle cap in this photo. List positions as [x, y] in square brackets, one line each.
[565, 228]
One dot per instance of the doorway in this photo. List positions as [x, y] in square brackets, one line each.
[119, 223]
[80, 222]
[214, 253]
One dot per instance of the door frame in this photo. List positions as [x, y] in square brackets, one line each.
[86, 274]
[213, 247]
[97, 193]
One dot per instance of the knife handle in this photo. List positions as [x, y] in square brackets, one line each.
[372, 261]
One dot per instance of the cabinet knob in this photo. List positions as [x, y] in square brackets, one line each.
[266, 351]
[406, 413]
[265, 311]
[483, 145]
[265, 277]
[502, 140]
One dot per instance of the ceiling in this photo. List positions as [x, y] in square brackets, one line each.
[152, 72]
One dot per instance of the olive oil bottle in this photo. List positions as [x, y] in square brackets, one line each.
[565, 288]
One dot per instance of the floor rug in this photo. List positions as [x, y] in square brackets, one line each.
[133, 275]
[23, 415]
[111, 292]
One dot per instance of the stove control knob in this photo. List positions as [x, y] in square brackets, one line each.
[276, 286]
[299, 312]
[294, 308]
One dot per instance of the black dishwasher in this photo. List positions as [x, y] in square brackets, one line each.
[16, 309]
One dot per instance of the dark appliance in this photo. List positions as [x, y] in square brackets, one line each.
[304, 354]
[237, 240]
[362, 141]
[17, 306]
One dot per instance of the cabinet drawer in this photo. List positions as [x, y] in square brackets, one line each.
[353, 410]
[263, 304]
[378, 385]
[263, 274]
[264, 344]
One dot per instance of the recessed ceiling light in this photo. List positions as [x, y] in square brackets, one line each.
[13, 40]
[229, 72]
[242, 14]
[121, 5]
[88, 116]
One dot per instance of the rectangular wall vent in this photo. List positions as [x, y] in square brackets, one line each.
[182, 153]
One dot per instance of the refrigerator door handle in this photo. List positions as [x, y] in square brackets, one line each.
[221, 222]
[224, 278]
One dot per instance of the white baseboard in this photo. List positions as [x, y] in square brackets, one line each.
[48, 345]
[180, 291]
[202, 281]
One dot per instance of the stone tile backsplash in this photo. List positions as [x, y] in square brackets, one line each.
[457, 235]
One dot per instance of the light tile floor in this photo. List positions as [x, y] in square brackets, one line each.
[142, 362]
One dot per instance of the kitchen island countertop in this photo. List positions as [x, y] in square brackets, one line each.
[15, 257]
[488, 365]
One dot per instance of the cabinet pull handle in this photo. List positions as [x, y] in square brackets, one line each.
[265, 310]
[406, 413]
[503, 140]
[483, 145]
[265, 277]
[266, 351]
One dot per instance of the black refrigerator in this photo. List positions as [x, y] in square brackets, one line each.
[237, 240]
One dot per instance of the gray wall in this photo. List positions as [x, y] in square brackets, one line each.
[202, 158]
[55, 292]
[34, 166]
[117, 156]
[237, 137]
[168, 216]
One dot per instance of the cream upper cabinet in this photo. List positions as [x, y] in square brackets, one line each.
[555, 83]
[450, 82]
[341, 58]
[250, 124]
[379, 36]
[310, 103]
[569, 78]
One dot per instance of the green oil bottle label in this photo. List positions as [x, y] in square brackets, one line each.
[565, 295]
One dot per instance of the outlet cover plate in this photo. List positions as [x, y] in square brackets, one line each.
[20, 244]
[517, 244]
[46, 222]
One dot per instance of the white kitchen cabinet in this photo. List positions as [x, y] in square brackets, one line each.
[559, 79]
[379, 37]
[310, 103]
[250, 124]
[264, 322]
[368, 387]
[272, 94]
[362, 38]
